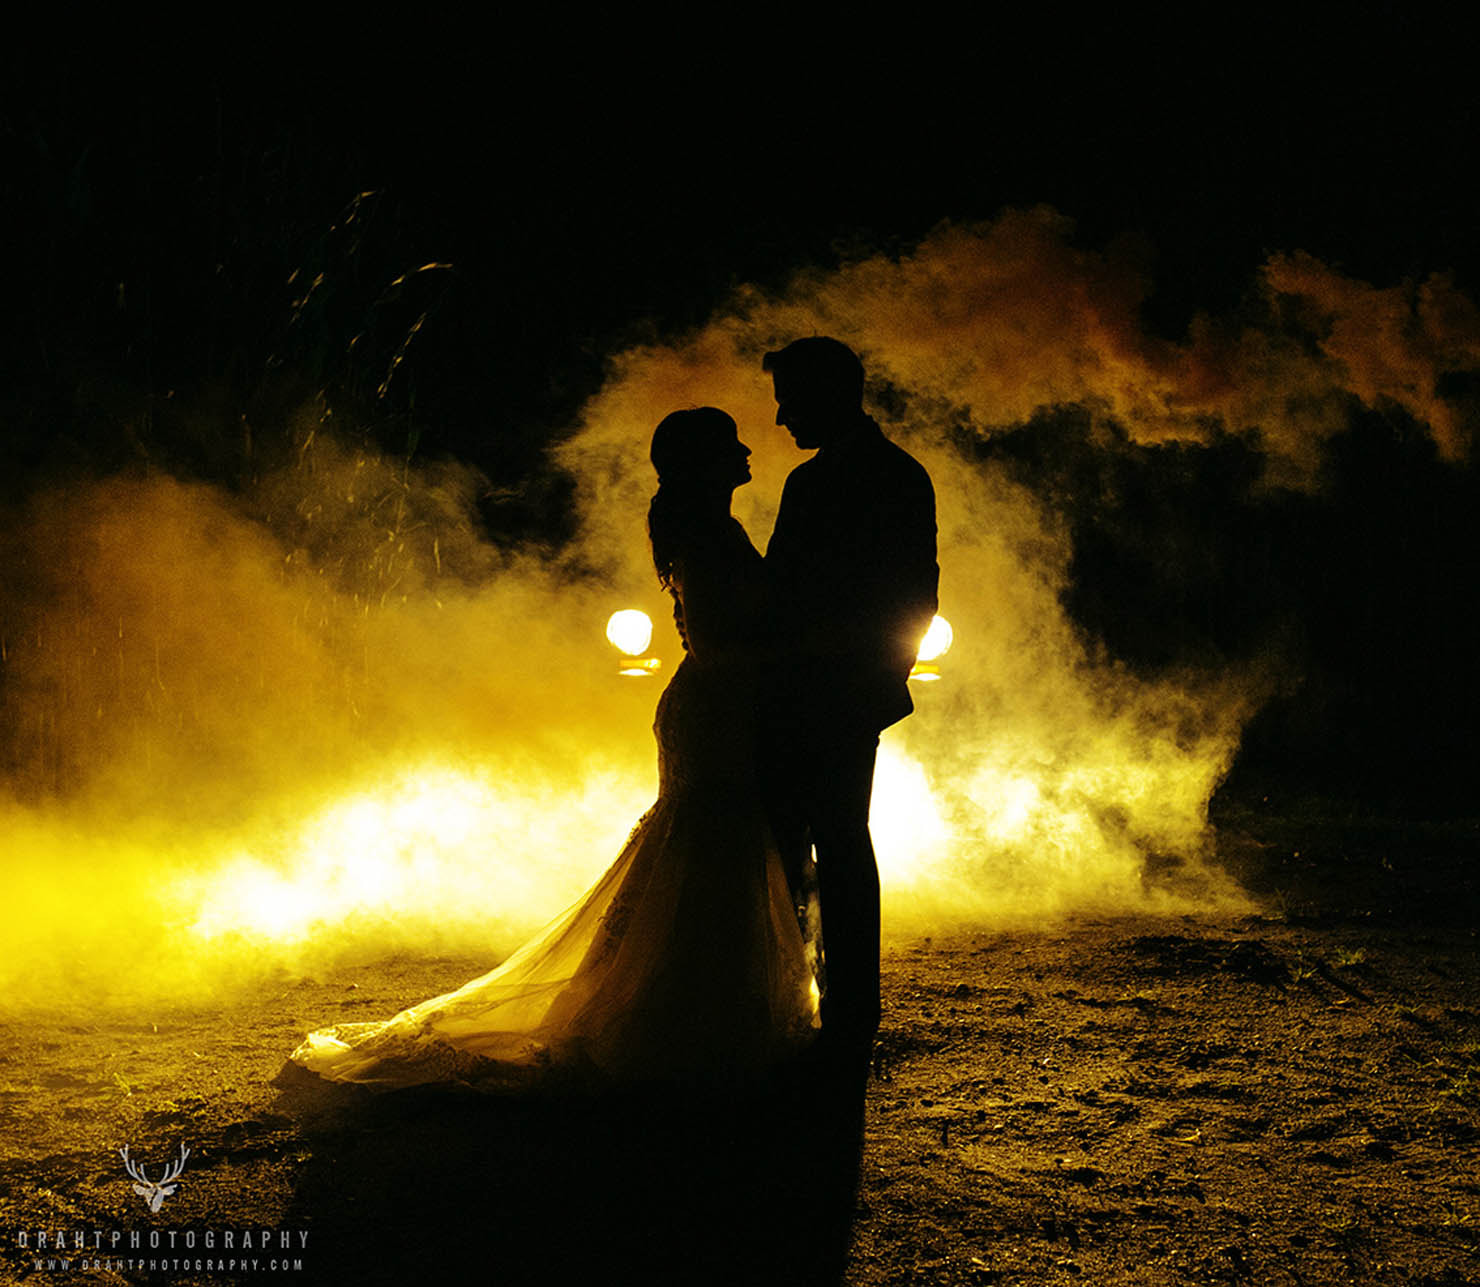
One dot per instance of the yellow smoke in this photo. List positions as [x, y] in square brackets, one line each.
[1034, 779]
[322, 719]
[263, 732]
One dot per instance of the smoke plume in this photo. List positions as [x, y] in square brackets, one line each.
[321, 717]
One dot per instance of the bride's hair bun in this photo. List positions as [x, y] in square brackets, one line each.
[685, 441]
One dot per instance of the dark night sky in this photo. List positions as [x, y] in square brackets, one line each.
[582, 193]
[588, 196]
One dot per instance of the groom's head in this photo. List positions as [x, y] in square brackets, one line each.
[819, 389]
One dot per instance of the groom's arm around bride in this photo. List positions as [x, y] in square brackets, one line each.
[852, 566]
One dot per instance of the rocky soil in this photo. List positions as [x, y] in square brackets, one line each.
[1292, 1096]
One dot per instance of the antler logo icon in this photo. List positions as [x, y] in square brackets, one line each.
[154, 1192]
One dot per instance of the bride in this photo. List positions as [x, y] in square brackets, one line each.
[685, 960]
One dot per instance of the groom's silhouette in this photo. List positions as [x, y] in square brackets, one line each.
[852, 564]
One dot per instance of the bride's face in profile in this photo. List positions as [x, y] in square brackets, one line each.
[737, 457]
[700, 449]
[726, 461]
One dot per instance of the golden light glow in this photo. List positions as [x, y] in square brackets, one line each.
[267, 732]
[374, 786]
[445, 847]
[640, 667]
[363, 852]
[937, 641]
[910, 835]
[630, 631]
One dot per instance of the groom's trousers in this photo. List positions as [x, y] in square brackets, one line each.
[819, 785]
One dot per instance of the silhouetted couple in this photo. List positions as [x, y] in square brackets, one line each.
[686, 960]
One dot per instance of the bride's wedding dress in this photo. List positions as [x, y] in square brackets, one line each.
[685, 960]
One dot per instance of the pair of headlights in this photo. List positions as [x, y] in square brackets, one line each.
[630, 632]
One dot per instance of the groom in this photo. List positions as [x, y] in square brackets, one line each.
[852, 564]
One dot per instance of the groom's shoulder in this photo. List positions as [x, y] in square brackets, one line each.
[877, 462]
[900, 467]
[904, 462]
[812, 472]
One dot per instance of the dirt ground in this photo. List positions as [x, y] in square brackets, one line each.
[1292, 1096]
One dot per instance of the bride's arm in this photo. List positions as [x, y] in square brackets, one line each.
[726, 609]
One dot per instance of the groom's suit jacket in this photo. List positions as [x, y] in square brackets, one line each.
[852, 565]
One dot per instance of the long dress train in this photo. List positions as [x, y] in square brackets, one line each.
[685, 960]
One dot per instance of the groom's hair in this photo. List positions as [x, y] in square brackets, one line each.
[820, 362]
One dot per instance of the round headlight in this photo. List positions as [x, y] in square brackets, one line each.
[937, 641]
[630, 631]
